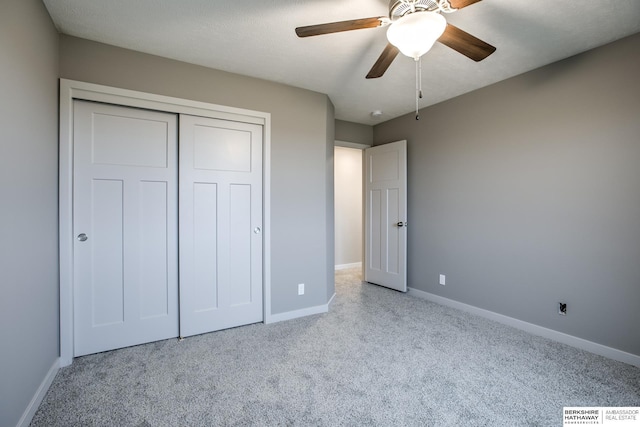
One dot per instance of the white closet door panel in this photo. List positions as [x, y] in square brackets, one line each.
[240, 244]
[221, 149]
[153, 250]
[107, 278]
[220, 224]
[205, 247]
[143, 144]
[125, 202]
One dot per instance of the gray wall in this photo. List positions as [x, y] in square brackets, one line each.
[527, 192]
[301, 138]
[28, 203]
[354, 132]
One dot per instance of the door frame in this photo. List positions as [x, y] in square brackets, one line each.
[70, 90]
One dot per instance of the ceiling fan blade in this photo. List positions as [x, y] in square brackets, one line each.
[459, 4]
[463, 42]
[336, 27]
[384, 60]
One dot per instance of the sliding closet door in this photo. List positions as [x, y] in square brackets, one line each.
[220, 224]
[125, 227]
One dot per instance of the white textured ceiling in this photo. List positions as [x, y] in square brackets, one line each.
[256, 38]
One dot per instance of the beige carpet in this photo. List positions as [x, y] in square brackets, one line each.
[379, 357]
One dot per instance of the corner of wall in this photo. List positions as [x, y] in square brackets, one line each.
[330, 221]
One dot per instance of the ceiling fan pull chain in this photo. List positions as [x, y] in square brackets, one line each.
[417, 90]
[418, 85]
[420, 77]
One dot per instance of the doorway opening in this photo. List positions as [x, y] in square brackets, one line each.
[349, 218]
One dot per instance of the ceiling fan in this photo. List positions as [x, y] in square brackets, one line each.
[414, 26]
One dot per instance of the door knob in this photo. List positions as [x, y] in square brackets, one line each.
[82, 237]
[257, 230]
[401, 224]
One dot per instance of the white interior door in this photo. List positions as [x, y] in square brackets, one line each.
[386, 215]
[220, 224]
[125, 223]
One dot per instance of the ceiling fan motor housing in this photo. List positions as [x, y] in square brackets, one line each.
[400, 8]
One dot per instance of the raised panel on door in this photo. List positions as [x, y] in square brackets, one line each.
[385, 215]
[375, 216]
[125, 218]
[220, 224]
[394, 234]
[155, 285]
[202, 266]
[240, 240]
[106, 279]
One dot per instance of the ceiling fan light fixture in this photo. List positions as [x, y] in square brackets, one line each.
[414, 34]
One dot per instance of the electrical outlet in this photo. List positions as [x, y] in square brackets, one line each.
[300, 288]
[562, 308]
[443, 279]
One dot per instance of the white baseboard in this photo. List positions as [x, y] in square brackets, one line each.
[590, 346]
[303, 312]
[352, 265]
[28, 414]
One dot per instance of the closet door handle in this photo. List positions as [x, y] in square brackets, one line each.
[82, 237]
[257, 230]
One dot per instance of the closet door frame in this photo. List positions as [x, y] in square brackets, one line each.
[71, 90]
